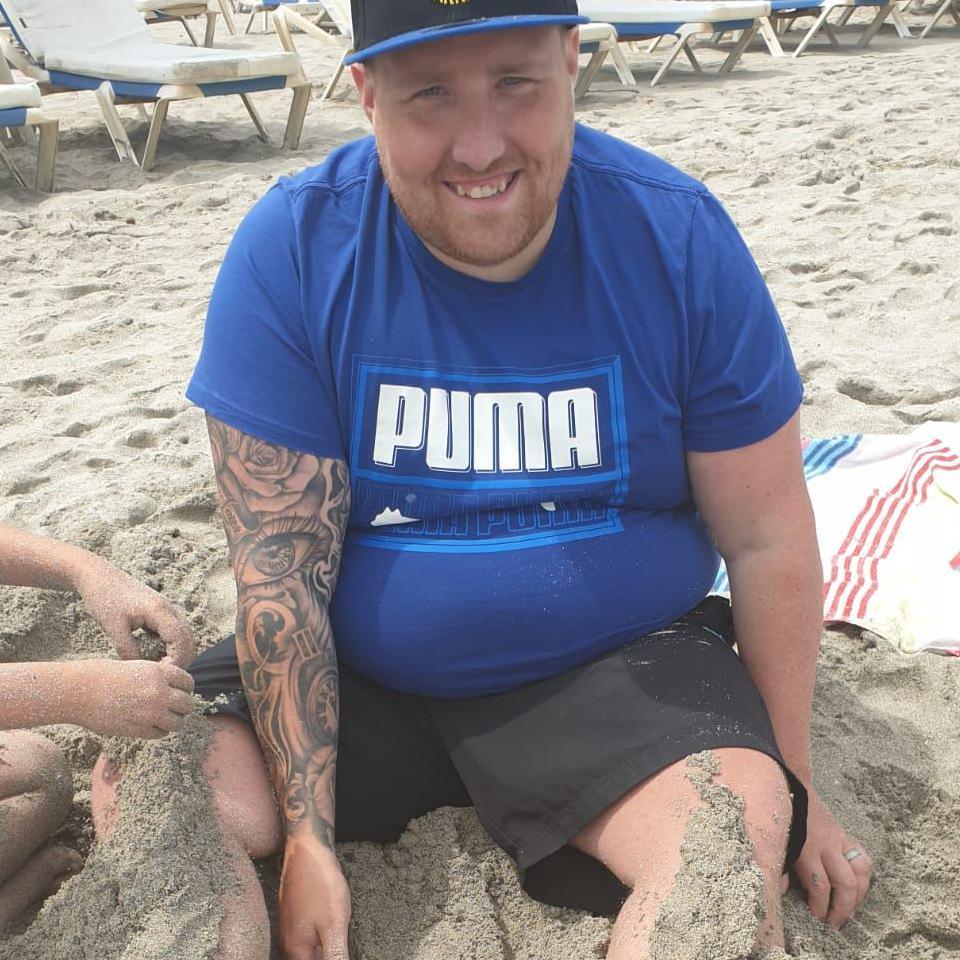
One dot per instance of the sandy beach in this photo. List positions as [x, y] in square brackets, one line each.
[842, 169]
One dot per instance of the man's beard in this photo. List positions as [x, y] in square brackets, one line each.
[471, 246]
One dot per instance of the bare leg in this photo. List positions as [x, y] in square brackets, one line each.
[35, 796]
[639, 838]
[247, 812]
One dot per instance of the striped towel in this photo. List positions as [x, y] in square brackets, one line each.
[888, 523]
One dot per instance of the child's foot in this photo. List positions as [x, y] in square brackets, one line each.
[37, 879]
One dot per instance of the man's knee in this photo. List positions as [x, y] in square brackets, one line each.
[644, 829]
[240, 785]
[761, 783]
[239, 788]
[37, 766]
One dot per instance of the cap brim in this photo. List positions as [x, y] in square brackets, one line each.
[431, 34]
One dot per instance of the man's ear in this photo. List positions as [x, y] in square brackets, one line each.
[363, 78]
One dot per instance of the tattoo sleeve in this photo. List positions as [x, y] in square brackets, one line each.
[285, 514]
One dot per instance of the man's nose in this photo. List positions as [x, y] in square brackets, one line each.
[479, 142]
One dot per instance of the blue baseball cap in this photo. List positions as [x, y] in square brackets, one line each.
[383, 25]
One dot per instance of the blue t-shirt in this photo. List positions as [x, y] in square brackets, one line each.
[521, 503]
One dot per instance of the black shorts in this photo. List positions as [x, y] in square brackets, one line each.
[540, 762]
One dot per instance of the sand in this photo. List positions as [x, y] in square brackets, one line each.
[842, 171]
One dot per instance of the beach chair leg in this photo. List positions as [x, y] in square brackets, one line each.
[875, 24]
[590, 71]
[818, 24]
[142, 113]
[830, 34]
[255, 117]
[691, 56]
[211, 28]
[845, 16]
[253, 14]
[11, 137]
[737, 52]
[190, 33]
[654, 43]
[941, 10]
[298, 113]
[955, 14]
[227, 13]
[47, 154]
[622, 67]
[153, 134]
[334, 80]
[678, 48]
[899, 22]
[7, 161]
[121, 142]
[770, 38]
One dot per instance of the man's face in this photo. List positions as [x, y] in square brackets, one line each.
[475, 135]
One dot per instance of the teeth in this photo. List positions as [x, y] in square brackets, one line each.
[482, 193]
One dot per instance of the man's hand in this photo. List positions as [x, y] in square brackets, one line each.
[835, 885]
[314, 902]
[136, 698]
[122, 605]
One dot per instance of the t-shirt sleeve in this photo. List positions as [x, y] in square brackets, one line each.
[743, 383]
[257, 369]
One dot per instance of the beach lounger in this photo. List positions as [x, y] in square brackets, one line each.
[601, 41]
[20, 107]
[106, 47]
[182, 12]
[336, 27]
[267, 7]
[947, 6]
[784, 12]
[683, 19]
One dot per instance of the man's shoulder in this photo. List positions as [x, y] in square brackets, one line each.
[340, 179]
[605, 161]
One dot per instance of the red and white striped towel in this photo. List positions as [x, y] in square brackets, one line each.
[888, 523]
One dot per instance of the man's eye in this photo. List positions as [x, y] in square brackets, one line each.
[513, 81]
[429, 93]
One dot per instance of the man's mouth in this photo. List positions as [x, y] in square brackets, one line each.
[486, 189]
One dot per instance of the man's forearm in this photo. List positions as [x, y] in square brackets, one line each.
[778, 612]
[289, 671]
[285, 514]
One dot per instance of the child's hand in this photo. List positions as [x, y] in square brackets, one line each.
[131, 698]
[123, 605]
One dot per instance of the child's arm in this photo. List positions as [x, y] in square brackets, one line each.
[134, 698]
[119, 602]
[30, 561]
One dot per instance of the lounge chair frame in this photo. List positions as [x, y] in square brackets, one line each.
[685, 34]
[602, 42]
[183, 15]
[598, 39]
[110, 93]
[947, 6]
[783, 18]
[48, 131]
[287, 19]
[268, 7]
[18, 119]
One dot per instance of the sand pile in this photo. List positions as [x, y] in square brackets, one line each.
[151, 892]
[841, 169]
[716, 906]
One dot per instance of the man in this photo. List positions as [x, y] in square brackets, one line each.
[480, 393]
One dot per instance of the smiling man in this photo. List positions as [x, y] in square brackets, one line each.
[487, 394]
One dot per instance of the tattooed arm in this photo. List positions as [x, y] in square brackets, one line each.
[285, 514]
